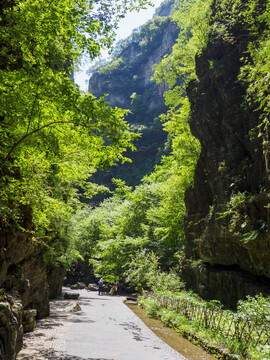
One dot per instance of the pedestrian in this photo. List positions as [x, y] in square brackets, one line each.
[100, 286]
[117, 287]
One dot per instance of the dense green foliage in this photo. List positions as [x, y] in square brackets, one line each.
[53, 137]
[148, 222]
[120, 229]
[244, 332]
[192, 17]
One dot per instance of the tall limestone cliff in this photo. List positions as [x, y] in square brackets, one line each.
[127, 80]
[227, 237]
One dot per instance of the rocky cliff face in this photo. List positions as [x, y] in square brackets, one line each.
[227, 208]
[128, 82]
[11, 328]
[26, 283]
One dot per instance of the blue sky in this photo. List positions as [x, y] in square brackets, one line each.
[135, 19]
[126, 26]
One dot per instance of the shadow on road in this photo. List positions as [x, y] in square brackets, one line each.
[101, 297]
[56, 355]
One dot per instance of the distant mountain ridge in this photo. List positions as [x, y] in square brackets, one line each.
[127, 79]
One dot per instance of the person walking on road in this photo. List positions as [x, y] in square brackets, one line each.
[100, 286]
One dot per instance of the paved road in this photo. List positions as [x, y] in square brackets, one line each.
[106, 329]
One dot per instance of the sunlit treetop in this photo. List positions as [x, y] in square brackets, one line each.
[36, 27]
[53, 137]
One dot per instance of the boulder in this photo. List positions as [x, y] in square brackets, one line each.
[72, 296]
[92, 287]
[11, 329]
[29, 320]
[76, 308]
[79, 285]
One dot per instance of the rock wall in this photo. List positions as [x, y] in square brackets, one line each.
[11, 329]
[55, 279]
[26, 283]
[227, 214]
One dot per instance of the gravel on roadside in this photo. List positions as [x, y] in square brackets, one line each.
[47, 341]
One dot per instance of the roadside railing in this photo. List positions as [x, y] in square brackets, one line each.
[227, 323]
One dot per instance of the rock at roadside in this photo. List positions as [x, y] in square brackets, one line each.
[92, 287]
[79, 285]
[76, 308]
[29, 320]
[11, 329]
[71, 296]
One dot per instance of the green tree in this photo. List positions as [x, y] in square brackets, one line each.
[52, 136]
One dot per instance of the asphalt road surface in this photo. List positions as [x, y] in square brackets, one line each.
[106, 329]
